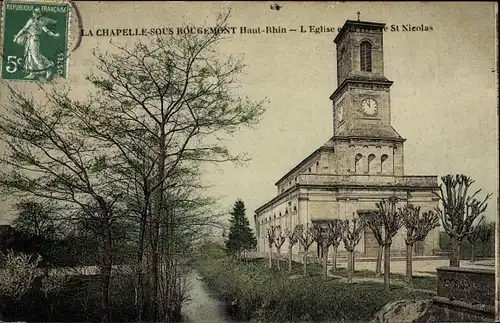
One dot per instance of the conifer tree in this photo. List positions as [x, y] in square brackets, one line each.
[241, 237]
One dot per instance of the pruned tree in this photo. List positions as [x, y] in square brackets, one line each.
[279, 240]
[352, 233]
[417, 228]
[320, 236]
[293, 239]
[460, 211]
[271, 236]
[392, 221]
[481, 232]
[373, 221]
[334, 232]
[306, 239]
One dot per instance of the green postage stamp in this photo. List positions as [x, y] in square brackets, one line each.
[35, 40]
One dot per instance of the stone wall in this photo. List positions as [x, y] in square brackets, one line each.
[464, 295]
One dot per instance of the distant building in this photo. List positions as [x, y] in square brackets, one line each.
[364, 160]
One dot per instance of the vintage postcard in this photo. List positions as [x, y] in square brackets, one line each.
[206, 161]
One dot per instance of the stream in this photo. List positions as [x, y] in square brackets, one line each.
[203, 305]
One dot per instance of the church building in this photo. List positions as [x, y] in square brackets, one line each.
[362, 163]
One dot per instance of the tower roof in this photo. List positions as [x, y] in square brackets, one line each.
[360, 25]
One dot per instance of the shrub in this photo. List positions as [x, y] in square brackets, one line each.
[18, 274]
[481, 249]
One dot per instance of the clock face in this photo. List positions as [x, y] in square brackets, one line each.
[369, 107]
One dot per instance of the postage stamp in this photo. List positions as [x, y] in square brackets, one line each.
[35, 40]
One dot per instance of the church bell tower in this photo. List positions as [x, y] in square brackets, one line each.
[361, 102]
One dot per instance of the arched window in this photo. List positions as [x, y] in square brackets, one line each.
[317, 167]
[371, 157]
[366, 56]
[356, 161]
[382, 160]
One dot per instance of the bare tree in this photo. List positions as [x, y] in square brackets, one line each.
[417, 228]
[279, 240]
[481, 232]
[459, 210]
[306, 238]
[352, 234]
[392, 222]
[176, 92]
[271, 236]
[334, 232]
[373, 220]
[50, 157]
[293, 239]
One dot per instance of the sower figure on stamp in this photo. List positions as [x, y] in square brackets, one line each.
[29, 36]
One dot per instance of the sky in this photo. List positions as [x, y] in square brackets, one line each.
[443, 100]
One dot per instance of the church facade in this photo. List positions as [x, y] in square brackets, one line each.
[364, 160]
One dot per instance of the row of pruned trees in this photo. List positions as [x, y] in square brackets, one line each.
[384, 223]
[460, 214]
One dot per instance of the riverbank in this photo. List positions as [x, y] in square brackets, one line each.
[267, 294]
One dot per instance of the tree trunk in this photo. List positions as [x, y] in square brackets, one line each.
[305, 262]
[157, 217]
[278, 258]
[409, 261]
[455, 252]
[290, 258]
[378, 269]
[107, 265]
[350, 266]
[334, 258]
[472, 255]
[139, 262]
[153, 271]
[387, 267]
[325, 261]
[270, 257]
[353, 260]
